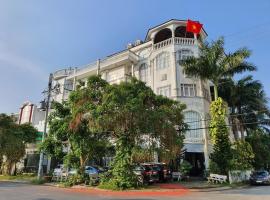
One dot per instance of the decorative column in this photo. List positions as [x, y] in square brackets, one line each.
[74, 78]
[132, 69]
[98, 66]
[174, 74]
[152, 64]
[206, 151]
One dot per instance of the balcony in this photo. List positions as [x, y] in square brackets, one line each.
[119, 59]
[62, 73]
[175, 40]
[194, 140]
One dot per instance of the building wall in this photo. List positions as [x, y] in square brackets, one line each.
[116, 68]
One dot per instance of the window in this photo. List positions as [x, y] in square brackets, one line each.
[143, 72]
[184, 54]
[163, 60]
[206, 94]
[164, 91]
[193, 121]
[188, 90]
[164, 77]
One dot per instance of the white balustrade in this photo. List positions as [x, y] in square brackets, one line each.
[175, 40]
[193, 140]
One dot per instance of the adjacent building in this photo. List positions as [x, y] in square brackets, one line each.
[30, 113]
[157, 62]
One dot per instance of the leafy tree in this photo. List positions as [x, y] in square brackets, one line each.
[243, 156]
[71, 123]
[245, 96]
[13, 138]
[214, 64]
[260, 143]
[131, 112]
[221, 156]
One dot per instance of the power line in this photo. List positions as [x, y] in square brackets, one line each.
[227, 125]
[229, 115]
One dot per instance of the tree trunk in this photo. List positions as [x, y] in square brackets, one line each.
[215, 91]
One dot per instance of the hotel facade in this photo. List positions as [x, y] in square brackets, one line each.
[157, 62]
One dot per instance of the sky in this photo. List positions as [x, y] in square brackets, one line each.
[38, 37]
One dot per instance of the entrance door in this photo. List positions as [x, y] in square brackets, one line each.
[197, 162]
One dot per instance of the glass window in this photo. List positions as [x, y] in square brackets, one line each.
[188, 90]
[206, 94]
[143, 72]
[193, 121]
[164, 91]
[163, 61]
[184, 54]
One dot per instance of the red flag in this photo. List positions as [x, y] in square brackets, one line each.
[193, 26]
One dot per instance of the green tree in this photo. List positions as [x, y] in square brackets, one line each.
[214, 64]
[72, 123]
[132, 112]
[222, 154]
[243, 156]
[260, 143]
[245, 96]
[13, 139]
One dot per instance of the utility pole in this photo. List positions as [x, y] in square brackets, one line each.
[47, 106]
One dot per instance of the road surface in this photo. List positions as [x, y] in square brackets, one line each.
[20, 191]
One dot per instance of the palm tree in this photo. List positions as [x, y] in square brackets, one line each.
[247, 102]
[214, 64]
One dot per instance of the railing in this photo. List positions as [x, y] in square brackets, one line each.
[175, 40]
[194, 140]
[163, 43]
[81, 69]
[184, 41]
[62, 73]
[108, 60]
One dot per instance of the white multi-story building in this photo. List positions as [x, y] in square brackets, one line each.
[157, 62]
[30, 113]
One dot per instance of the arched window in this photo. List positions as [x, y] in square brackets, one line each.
[164, 34]
[193, 120]
[183, 54]
[180, 31]
[163, 60]
[143, 72]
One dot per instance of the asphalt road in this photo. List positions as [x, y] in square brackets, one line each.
[20, 191]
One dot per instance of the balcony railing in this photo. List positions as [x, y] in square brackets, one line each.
[193, 140]
[62, 73]
[175, 40]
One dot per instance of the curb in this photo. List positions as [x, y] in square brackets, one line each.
[216, 189]
[16, 181]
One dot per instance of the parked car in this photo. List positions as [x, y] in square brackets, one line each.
[91, 170]
[146, 173]
[164, 172]
[260, 177]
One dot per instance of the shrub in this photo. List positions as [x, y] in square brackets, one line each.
[185, 167]
[243, 156]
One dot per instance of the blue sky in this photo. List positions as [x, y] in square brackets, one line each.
[38, 37]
